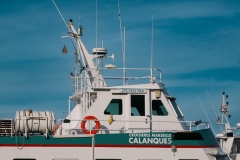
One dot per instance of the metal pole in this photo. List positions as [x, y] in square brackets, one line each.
[124, 67]
[69, 110]
[152, 53]
[93, 144]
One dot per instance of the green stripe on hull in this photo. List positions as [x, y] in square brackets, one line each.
[121, 139]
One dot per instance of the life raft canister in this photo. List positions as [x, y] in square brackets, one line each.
[93, 131]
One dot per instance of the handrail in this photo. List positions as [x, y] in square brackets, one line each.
[124, 129]
[159, 72]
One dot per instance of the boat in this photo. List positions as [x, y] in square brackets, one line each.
[120, 122]
[229, 142]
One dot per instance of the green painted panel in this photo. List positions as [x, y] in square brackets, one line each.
[147, 138]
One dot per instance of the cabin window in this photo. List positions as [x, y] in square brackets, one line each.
[174, 104]
[158, 108]
[65, 159]
[114, 107]
[108, 159]
[222, 158]
[236, 147]
[187, 136]
[24, 159]
[137, 105]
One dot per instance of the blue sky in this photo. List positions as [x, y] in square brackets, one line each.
[196, 45]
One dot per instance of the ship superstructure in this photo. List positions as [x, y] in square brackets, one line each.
[229, 142]
[140, 121]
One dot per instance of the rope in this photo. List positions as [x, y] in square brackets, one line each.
[16, 135]
[213, 107]
[60, 14]
[206, 116]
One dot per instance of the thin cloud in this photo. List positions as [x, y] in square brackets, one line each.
[193, 9]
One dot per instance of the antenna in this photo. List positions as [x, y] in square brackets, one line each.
[124, 65]
[151, 52]
[97, 60]
[96, 25]
[102, 59]
[119, 15]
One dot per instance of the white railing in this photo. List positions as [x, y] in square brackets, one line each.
[159, 73]
[81, 84]
[124, 126]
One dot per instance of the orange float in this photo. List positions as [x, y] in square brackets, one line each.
[55, 128]
[94, 131]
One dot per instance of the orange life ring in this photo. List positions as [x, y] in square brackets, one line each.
[55, 128]
[94, 131]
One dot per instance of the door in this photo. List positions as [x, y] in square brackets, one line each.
[138, 116]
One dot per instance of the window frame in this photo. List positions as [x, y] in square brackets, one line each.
[176, 109]
[120, 107]
[165, 109]
[142, 109]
